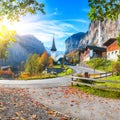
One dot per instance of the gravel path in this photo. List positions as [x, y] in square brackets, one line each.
[78, 104]
[16, 104]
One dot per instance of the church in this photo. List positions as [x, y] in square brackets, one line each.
[54, 55]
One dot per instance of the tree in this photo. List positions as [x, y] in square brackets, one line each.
[43, 61]
[50, 62]
[118, 42]
[31, 65]
[6, 36]
[14, 9]
[104, 9]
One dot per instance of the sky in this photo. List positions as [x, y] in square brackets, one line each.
[62, 19]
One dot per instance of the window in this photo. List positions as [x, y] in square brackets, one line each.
[116, 52]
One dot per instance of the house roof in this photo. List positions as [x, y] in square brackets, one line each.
[53, 48]
[4, 67]
[83, 48]
[109, 41]
[96, 48]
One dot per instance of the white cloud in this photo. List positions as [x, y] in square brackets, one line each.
[77, 20]
[44, 29]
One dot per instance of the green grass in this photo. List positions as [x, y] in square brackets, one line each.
[115, 78]
[111, 85]
[101, 64]
[67, 71]
[99, 92]
[112, 90]
[109, 90]
[57, 66]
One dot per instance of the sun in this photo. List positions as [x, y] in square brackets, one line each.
[17, 26]
[10, 25]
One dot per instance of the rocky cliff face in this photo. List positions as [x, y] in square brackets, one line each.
[109, 29]
[73, 41]
[22, 48]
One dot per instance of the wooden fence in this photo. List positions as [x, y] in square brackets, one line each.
[91, 81]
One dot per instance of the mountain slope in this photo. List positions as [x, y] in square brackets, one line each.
[57, 52]
[73, 41]
[22, 48]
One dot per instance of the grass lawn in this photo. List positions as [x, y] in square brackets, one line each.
[111, 85]
[101, 64]
[103, 89]
[99, 92]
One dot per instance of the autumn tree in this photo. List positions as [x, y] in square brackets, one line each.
[43, 61]
[50, 62]
[6, 36]
[104, 9]
[12, 10]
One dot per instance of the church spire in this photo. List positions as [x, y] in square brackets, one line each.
[53, 48]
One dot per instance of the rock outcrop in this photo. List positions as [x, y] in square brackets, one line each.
[73, 41]
[108, 28]
[21, 49]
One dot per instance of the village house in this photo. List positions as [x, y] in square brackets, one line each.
[6, 72]
[113, 50]
[89, 51]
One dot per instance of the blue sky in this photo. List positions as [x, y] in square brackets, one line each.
[63, 18]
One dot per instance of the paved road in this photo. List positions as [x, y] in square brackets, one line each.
[82, 70]
[67, 100]
[52, 82]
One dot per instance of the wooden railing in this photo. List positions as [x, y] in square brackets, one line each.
[91, 81]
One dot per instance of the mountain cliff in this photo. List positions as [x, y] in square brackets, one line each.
[108, 28]
[73, 41]
[22, 48]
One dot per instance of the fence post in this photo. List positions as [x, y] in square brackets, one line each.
[72, 80]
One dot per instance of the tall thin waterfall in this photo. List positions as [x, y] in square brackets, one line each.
[99, 34]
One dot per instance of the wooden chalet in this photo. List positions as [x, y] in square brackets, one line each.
[6, 72]
[89, 51]
[112, 49]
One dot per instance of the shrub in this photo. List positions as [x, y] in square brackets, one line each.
[101, 64]
[69, 71]
[117, 67]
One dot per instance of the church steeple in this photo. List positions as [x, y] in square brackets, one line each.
[53, 48]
